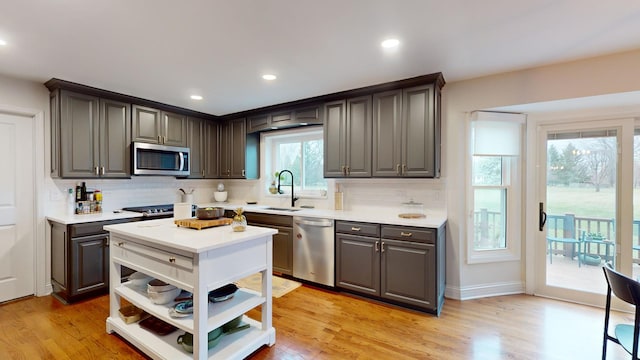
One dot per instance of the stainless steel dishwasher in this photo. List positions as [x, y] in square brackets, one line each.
[314, 250]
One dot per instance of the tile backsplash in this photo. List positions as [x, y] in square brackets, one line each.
[359, 194]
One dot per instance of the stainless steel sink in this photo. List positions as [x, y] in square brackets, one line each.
[281, 209]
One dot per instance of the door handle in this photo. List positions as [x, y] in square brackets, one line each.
[542, 217]
[377, 249]
[382, 247]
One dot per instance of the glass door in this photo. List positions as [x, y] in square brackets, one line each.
[579, 194]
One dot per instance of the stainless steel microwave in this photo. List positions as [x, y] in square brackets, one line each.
[154, 159]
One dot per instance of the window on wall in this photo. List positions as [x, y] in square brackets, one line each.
[301, 152]
[494, 187]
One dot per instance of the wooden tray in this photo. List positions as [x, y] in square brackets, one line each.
[203, 224]
[412, 216]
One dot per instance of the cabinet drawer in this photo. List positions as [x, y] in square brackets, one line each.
[268, 219]
[358, 228]
[422, 235]
[148, 256]
[94, 228]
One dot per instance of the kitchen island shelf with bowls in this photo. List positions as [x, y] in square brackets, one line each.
[196, 261]
[218, 312]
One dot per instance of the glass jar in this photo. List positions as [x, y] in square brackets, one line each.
[239, 222]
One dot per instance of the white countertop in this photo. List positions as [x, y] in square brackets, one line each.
[85, 218]
[379, 216]
[165, 232]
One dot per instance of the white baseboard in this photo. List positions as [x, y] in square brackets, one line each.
[484, 290]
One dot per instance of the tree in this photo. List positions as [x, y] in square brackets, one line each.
[554, 164]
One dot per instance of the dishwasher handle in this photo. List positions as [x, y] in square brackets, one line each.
[317, 223]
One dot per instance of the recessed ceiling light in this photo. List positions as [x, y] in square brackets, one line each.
[2, 42]
[196, 97]
[389, 43]
[269, 77]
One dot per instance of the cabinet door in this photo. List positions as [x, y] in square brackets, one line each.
[258, 122]
[146, 124]
[334, 118]
[90, 256]
[282, 250]
[195, 143]
[233, 149]
[59, 253]
[358, 264]
[409, 272]
[211, 149]
[115, 139]
[174, 129]
[418, 133]
[79, 135]
[54, 108]
[358, 133]
[308, 115]
[387, 130]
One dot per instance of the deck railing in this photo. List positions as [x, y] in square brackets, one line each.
[489, 227]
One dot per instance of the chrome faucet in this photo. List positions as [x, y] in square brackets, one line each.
[293, 198]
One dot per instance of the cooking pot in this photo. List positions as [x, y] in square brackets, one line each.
[209, 213]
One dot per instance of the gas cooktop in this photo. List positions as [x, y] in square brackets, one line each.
[153, 210]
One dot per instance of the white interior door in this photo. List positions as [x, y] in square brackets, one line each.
[17, 219]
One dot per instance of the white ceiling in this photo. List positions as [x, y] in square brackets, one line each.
[165, 50]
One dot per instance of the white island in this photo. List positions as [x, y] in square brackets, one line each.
[197, 261]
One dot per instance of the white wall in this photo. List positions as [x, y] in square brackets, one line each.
[589, 77]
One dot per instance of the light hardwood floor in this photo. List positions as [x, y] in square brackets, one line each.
[318, 324]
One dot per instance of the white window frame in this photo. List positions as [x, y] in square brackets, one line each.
[512, 182]
[271, 139]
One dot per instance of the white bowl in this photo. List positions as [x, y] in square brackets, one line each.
[163, 297]
[159, 286]
[139, 279]
[220, 196]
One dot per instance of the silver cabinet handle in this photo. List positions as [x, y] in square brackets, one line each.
[172, 260]
[382, 247]
[402, 233]
[376, 246]
[348, 170]
[404, 169]
[164, 139]
[102, 170]
[96, 170]
[343, 170]
[159, 139]
[398, 169]
[120, 244]
[353, 228]
[243, 175]
[202, 172]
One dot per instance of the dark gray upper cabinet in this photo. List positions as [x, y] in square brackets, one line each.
[196, 145]
[203, 139]
[282, 119]
[406, 135]
[347, 137]
[159, 127]
[211, 133]
[232, 149]
[90, 136]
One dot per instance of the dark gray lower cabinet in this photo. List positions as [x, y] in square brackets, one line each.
[282, 241]
[403, 265]
[80, 259]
